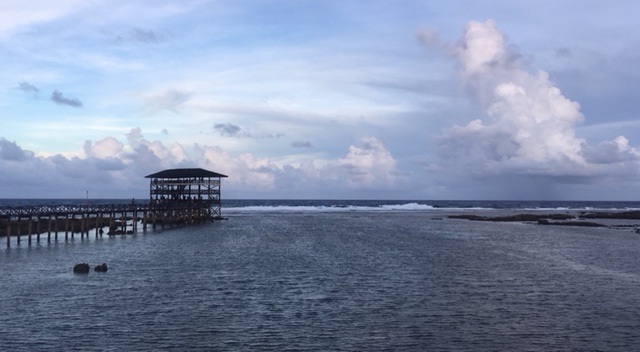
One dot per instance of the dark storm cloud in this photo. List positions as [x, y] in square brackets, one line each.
[27, 87]
[59, 99]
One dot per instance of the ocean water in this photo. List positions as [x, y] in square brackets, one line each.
[331, 276]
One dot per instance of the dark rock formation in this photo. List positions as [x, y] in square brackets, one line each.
[623, 215]
[571, 223]
[517, 217]
[101, 268]
[81, 268]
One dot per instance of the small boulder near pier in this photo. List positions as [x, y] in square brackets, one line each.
[101, 268]
[81, 268]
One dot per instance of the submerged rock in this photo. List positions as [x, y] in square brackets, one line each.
[101, 268]
[81, 268]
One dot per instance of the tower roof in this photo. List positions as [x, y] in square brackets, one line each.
[182, 173]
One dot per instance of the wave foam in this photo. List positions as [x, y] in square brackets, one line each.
[332, 208]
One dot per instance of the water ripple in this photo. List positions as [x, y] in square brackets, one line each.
[325, 282]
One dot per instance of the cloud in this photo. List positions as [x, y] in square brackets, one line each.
[231, 130]
[228, 129]
[12, 152]
[527, 126]
[104, 148]
[21, 14]
[430, 38]
[27, 87]
[563, 53]
[145, 36]
[369, 165]
[301, 144]
[168, 100]
[610, 152]
[366, 166]
[481, 49]
[134, 137]
[137, 35]
[112, 168]
[26, 175]
[59, 99]
[109, 164]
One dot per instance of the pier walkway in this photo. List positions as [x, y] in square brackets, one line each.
[111, 219]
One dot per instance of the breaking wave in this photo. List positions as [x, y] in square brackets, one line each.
[329, 208]
[310, 206]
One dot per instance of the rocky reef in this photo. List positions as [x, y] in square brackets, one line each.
[562, 219]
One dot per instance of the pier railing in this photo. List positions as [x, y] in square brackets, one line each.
[45, 210]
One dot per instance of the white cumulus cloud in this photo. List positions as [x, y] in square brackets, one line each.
[112, 167]
[369, 165]
[527, 126]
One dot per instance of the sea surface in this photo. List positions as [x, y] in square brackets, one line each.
[331, 276]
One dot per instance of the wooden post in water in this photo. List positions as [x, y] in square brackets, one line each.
[97, 223]
[73, 224]
[9, 232]
[29, 230]
[49, 229]
[111, 216]
[144, 221]
[18, 232]
[38, 228]
[135, 220]
[28, 234]
[55, 226]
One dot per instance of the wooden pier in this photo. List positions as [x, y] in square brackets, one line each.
[178, 197]
[109, 219]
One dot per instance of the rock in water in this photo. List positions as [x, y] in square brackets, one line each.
[81, 268]
[101, 268]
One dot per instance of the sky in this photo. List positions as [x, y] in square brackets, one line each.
[331, 99]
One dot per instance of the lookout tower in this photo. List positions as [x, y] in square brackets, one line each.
[186, 188]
